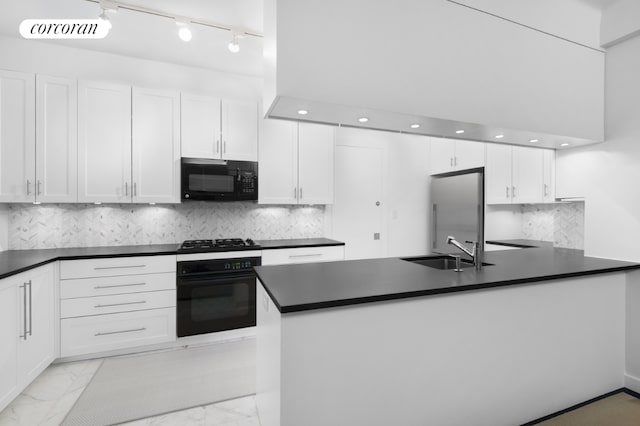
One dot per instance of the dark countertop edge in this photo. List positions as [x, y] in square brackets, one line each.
[337, 243]
[407, 295]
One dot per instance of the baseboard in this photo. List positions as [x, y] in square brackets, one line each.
[632, 383]
[582, 404]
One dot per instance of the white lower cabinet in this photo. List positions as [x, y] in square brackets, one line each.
[27, 329]
[302, 255]
[116, 303]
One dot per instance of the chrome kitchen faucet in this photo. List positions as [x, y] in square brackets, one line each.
[475, 252]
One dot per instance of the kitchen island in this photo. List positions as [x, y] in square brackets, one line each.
[387, 341]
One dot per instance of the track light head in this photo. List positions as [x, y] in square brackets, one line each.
[234, 44]
[184, 32]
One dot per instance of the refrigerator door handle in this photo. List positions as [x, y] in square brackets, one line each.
[435, 225]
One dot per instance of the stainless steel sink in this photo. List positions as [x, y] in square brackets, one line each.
[441, 262]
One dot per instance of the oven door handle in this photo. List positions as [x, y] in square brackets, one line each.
[209, 278]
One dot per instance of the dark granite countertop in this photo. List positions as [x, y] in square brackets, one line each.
[520, 243]
[297, 243]
[303, 287]
[15, 261]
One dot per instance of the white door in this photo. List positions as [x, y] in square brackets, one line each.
[469, 155]
[56, 140]
[104, 142]
[498, 188]
[442, 155]
[278, 162]
[358, 217]
[200, 126]
[35, 352]
[528, 182]
[17, 137]
[315, 163]
[155, 146]
[239, 130]
[9, 331]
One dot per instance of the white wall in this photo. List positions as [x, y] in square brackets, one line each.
[620, 21]
[52, 59]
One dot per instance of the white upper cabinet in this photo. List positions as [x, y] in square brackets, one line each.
[315, 163]
[448, 155]
[155, 146]
[56, 160]
[104, 142]
[239, 130]
[514, 175]
[17, 137]
[278, 162]
[549, 175]
[296, 163]
[200, 126]
[219, 129]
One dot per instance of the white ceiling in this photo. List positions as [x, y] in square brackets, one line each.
[599, 4]
[152, 37]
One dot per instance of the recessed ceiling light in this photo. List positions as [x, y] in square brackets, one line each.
[564, 144]
[459, 132]
[534, 140]
[415, 126]
[363, 119]
[303, 112]
[499, 136]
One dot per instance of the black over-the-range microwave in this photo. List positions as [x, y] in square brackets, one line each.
[218, 180]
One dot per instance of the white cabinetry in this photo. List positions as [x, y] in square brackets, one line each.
[116, 303]
[296, 163]
[155, 146]
[56, 179]
[549, 176]
[104, 142]
[125, 158]
[302, 255]
[448, 155]
[570, 181]
[27, 329]
[219, 129]
[17, 136]
[514, 175]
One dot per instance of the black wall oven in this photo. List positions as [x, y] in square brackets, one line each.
[218, 180]
[216, 295]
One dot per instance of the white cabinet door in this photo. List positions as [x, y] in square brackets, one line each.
[498, 174]
[239, 130]
[56, 140]
[9, 337]
[17, 137]
[155, 146]
[200, 126]
[549, 168]
[469, 155]
[36, 350]
[315, 163]
[278, 162]
[527, 182]
[443, 152]
[104, 142]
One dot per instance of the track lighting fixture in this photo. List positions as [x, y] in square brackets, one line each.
[184, 32]
[105, 8]
[234, 44]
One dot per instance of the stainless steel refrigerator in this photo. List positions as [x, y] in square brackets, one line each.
[457, 202]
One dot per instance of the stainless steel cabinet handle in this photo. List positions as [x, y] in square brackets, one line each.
[106, 333]
[118, 267]
[98, 287]
[218, 145]
[455, 161]
[28, 187]
[38, 191]
[451, 161]
[134, 190]
[30, 310]
[295, 193]
[24, 310]
[293, 256]
[546, 190]
[224, 147]
[126, 189]
[513, 192]
[507, 192]
[300, 192]
[120, 304]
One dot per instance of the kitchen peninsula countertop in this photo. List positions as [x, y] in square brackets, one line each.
[303, 287]
[15, 261]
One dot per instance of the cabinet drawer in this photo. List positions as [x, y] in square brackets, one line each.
[100, 286]
[98, 305]
[103, 333]
[302, 255]
[114, 266]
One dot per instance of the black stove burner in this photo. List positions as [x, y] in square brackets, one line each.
[220, 244]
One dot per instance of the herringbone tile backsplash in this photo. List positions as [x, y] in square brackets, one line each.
[86, 225]
[561, 223]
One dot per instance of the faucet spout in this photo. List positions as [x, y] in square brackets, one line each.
[475, 252]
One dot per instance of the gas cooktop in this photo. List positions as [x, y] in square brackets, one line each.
[221, 244]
